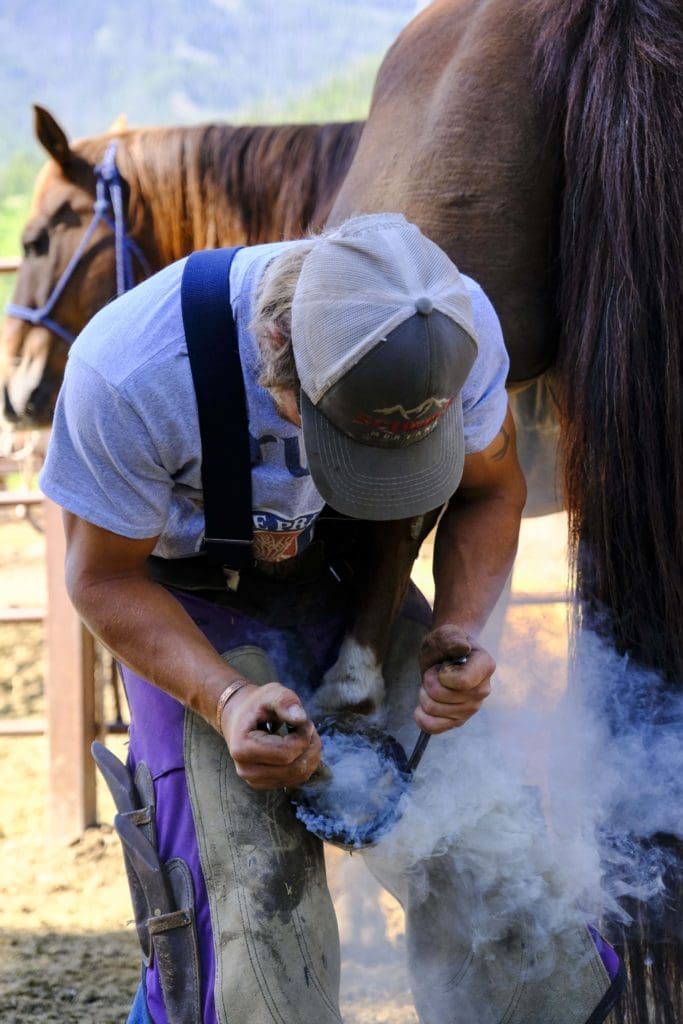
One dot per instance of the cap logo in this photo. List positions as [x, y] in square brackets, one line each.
[419, 410]
[383, 426]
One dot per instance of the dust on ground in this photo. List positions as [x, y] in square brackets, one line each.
[68, 949]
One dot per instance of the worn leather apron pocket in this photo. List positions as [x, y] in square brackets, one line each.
[162, 893]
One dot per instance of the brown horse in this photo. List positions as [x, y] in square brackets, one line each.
[181, 189]
[540, 143]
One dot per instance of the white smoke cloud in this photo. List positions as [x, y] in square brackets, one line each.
[538, 800]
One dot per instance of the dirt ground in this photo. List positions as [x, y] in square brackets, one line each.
[67, 945]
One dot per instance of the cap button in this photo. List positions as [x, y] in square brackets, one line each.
[424, 305]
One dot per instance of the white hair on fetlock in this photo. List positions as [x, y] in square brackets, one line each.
[355, 678]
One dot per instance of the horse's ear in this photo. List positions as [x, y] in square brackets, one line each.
[119, 124]
[51, 136]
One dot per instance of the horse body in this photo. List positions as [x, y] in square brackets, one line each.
[454, 142]
[500, 129]
[540, 144]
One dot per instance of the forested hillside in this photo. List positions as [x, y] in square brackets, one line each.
[179, 61]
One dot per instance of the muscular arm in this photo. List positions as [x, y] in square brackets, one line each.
[474, 550]
[476, 540]
[148, 630]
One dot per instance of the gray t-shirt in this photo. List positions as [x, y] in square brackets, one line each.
[125, 450]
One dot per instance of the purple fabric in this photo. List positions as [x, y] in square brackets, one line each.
[156, 737]
[175, 828]
[225, 628]
[610, 960]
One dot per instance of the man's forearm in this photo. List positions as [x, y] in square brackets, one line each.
[148, 630]
[474, 550]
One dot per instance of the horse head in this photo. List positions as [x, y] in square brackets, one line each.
[67, 272]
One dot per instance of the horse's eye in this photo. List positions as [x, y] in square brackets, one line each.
[38, 244]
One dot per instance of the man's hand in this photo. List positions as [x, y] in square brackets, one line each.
[270, 759]
[451, 693]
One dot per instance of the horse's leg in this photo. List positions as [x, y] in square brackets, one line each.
[355, 682]
[538, 434]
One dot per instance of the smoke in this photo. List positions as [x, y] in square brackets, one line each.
[531, 819]
[355, 796]
[541, 800]
[470, 818]
[628, 729]
[542, 814]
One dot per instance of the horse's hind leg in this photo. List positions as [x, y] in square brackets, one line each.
[538, 433]
[356, 681]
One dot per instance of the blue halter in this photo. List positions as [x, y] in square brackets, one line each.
[108, 209]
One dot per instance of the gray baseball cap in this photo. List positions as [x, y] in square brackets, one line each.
[383, 340]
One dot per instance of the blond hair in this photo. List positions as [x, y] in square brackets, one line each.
[272, 320]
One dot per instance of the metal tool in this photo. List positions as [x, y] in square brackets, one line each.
[423, 738]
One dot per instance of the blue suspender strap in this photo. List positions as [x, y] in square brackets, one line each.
[219, 386]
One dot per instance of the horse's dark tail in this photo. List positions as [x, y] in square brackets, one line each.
[612, 76]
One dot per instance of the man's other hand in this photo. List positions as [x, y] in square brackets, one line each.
[456, 679]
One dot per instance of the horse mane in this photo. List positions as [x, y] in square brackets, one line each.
[211, 185]
[611, 76]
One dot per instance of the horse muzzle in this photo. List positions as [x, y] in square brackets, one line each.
[27, 375]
